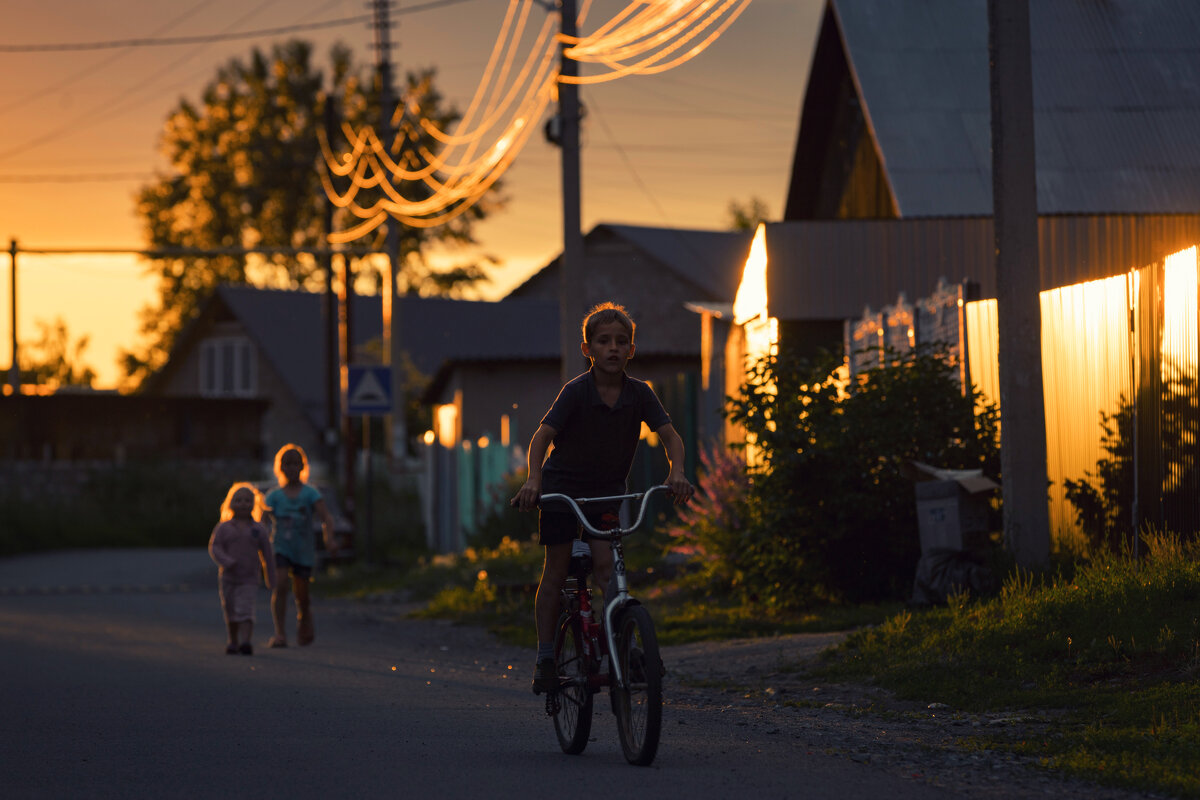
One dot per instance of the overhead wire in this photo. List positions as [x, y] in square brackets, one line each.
[110, 108]
[648, 34]
[172, 41]
[91, 69]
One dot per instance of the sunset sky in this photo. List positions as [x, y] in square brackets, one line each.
[79, 132]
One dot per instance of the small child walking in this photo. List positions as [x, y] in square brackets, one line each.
[241, 546]
[293, 507]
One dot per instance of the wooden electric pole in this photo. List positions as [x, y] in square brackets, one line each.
[571, 272]
[1018, 281]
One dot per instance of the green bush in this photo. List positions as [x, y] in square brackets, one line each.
[830, 515]
[504, 521]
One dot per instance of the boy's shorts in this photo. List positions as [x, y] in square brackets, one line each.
[559, 527]
[285, 566]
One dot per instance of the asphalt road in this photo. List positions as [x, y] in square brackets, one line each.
[115, 683]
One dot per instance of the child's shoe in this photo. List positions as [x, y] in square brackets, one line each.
[246, 649]
[231, 649]
[545, 676]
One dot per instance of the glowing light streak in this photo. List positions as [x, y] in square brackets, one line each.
[505, 109]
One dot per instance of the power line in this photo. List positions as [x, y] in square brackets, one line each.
[170, 41]
[85, 177]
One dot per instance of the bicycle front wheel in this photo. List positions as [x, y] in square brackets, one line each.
[573, 719]
[637, 701]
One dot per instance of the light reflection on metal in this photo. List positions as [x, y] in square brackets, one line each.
[1090, 365]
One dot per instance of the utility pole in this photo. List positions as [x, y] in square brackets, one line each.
[14, 368]
[387, 133]
[571, 272]
[329, 313]
[1018, 280]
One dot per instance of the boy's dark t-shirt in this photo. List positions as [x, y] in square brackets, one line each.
[594, 446]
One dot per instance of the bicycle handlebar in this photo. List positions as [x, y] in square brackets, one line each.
[611, 533]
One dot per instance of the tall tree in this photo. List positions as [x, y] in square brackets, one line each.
[243, 172]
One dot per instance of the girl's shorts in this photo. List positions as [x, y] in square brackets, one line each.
[285, 566]
[237, 601]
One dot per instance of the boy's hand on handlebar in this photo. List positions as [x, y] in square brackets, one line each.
[527, 498]
[681, 488]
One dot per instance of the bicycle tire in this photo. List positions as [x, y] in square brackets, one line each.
[637, 702]
[573, 721]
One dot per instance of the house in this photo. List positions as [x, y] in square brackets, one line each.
[891, 196]
[270, 345]
[486, 367]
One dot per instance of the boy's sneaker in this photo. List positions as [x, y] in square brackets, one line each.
[545, 676]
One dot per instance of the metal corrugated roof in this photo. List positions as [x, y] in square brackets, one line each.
[435, 330]
[832, 269]
[706, 258]
[1116, 98]
[710, 259]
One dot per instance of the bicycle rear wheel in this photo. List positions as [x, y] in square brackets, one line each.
[573, 720]
[637, 702]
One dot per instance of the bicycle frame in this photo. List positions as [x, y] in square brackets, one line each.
[613, 536]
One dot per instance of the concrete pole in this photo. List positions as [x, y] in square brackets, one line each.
[1018, 281]
[571, 273]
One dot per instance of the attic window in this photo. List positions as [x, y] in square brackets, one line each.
[228, 368]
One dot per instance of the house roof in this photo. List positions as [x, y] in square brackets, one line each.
[436, 330]
[439, 333]
[287, 326]
[712, 260]
[1116, 98]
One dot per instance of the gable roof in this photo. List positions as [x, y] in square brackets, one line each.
[287, 327]
[1116, 102]
[436, 330]
[712, 260]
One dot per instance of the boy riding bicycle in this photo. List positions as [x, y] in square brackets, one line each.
[594, 426]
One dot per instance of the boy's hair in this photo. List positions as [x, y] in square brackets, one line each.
[279, 461]
[604, 314]
[255, 513]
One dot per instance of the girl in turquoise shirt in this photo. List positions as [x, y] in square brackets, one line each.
[292, 508]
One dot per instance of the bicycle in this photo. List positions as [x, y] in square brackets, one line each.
[582, 642]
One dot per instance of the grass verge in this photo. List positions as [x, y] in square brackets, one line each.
[1112, 653]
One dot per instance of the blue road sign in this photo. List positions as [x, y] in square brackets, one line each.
[370, 390]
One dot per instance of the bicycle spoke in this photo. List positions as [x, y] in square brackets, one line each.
[573, 714]
[638, 701]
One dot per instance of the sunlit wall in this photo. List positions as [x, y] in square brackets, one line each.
[1089, 361]
[759, 332]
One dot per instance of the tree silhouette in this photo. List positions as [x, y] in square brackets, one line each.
[244, 166]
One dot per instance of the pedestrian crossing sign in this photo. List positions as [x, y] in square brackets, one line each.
[370, 390]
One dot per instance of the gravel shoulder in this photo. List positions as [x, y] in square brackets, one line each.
[764, 679]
